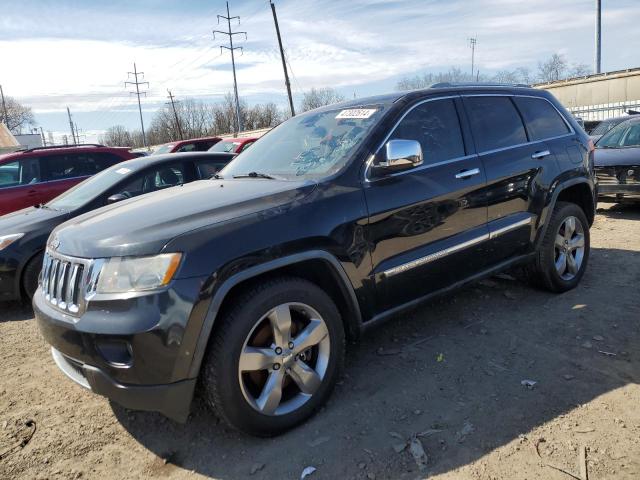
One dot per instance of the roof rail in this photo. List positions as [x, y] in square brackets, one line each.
[62, 146]
[476, 84]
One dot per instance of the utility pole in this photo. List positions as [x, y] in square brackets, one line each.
[472, 44]
[598, 53]
[175, 114]
[75, 126]
[231, 48]
[44, 142]
[284, 64]
[4, 108]
[73, 135]
[137, 83]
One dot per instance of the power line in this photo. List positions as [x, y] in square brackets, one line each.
[175, 114]
[137, 83]
[231, 48]
[472, 44]
[284, 65]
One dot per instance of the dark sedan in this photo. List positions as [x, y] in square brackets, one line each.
[23, 234]
[617, 162]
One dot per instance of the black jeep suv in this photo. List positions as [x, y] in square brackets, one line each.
[249, 283]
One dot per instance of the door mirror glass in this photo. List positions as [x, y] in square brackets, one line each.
[118, 197]
[399, 154]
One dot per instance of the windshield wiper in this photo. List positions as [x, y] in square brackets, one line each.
[45, 206]
[216, 176]
[255, 175]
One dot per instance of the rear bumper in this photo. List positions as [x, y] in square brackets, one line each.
[171, 400]
[618, 192]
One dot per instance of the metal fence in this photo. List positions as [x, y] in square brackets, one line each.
[604, 111]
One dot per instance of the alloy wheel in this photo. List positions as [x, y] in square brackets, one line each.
[284, 359]
[569, 248]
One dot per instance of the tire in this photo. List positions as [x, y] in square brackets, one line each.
[248, 399]
[546, 270]
[30, 275]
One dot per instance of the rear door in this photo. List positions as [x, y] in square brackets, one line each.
[518, 172]
[427, 225]
[20, 184]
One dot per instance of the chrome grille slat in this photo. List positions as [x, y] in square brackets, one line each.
[64, 282]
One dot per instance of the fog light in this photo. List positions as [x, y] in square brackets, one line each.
[115, 352]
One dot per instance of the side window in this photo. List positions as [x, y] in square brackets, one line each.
[204, 146]
[543, 121]
[20, 172]
[245, 146]
[437, 127]
[159, 178]
[188, 147]
[208, 168]
[495, 123]
[70, 165]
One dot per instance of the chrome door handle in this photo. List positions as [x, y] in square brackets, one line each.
[541, 154]
[468, 173]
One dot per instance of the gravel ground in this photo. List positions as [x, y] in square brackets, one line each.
[443, 380]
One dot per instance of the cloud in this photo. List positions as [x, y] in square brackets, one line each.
[78, 53]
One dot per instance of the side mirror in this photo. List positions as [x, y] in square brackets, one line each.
[399, 155]
[118, 197]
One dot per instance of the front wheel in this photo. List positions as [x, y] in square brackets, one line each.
[275, 356]
[564, 252]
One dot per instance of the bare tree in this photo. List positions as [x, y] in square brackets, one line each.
[319, 97]
[453, 75]
[553, 69]
[18, 116]
[579, 70]
[116, 136]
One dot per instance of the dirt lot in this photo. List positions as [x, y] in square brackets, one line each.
[449, 372]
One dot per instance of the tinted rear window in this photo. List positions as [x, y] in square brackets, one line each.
[543, 121]
[495, 123]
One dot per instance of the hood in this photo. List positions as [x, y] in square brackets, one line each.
[613, 157]
[30, 220]
[144, 225]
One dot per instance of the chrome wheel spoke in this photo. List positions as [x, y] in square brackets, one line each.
[577, 242]
[271, 395]
[305, 377]
[312, 335]
[280, 319]
[561, 263]
[559, 241]
[571, 264]
[569, 227]
[254, 358]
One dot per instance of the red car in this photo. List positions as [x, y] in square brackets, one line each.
[233, 145]
[191, 145]
[35, 176]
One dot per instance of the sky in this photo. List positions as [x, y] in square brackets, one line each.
[77, 53]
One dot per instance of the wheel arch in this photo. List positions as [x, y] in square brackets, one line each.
[317, 266]
[577, 190]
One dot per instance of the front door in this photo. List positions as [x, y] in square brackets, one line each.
[427, 225]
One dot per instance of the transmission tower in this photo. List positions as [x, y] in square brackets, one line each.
[137, 83]
[231, 48]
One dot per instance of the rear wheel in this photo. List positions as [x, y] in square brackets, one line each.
[30, 276]
[564, 252]
[275, 357]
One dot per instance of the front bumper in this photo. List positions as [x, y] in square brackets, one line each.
[135, 351]
[171, 400]
[9, 285]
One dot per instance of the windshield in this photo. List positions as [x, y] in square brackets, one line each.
[627, 134]
[86, 191]
[606, 125]
[311, 145]
[164, 149]
[224, 147]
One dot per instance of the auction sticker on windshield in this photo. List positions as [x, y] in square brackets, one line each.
[356, 113]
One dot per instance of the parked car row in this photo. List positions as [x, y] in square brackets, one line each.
[250, 283]
[24, 233]
[211, 144]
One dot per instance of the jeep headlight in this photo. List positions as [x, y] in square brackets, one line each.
[6, 240]
[133, 274]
